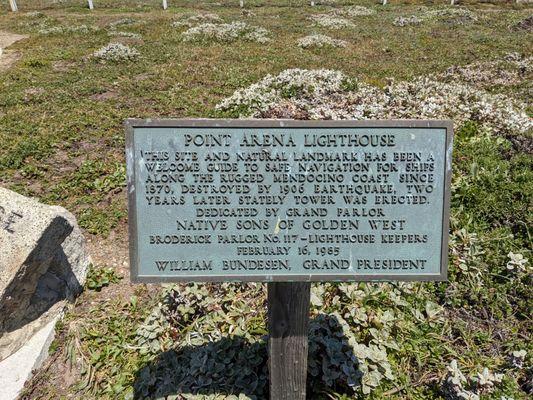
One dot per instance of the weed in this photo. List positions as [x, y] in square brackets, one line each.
[98, 278]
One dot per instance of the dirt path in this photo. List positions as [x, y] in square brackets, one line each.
[8, 57]
[112, 251]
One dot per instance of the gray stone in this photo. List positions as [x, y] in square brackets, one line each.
[43, 264]
[18, 368]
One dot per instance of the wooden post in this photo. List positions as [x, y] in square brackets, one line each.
[165, 5]
[13, 4]
[91, 7]
[288, 322]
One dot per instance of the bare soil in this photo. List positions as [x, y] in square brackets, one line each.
[111, 251]
[9, 57]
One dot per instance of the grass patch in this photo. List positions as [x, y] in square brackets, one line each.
[97, 278]
[61, 115]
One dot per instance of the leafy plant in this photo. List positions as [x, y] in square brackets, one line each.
[98, 278]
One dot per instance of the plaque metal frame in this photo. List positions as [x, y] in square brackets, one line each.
[132, 123]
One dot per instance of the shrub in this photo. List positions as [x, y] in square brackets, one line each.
[405, 21]
[116, 52]
[330, 21]
[226, 33]
[319, 40]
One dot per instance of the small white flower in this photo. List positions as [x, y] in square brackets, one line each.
[443, 96]
[319, 40]
[272, 90]
[226, 32]
[330, 21]
[405, 21]
[116, 52]
[57, 30]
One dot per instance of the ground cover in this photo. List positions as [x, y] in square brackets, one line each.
[61, 113]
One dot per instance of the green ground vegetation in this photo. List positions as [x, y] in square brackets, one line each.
[62, 136]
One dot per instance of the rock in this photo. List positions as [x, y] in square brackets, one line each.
[8, 57]
[17, 368]
[43, 264]
[8, 38]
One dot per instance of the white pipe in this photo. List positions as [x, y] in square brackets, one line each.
[384, 2]
[241, 2]
[13, 4]
[91, 7]
[165, 5]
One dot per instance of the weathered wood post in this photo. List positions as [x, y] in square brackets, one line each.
[91, 7]
[165, 5]
[288, 324]
[13, 4]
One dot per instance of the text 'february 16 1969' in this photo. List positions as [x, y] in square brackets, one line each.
[264, 200]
